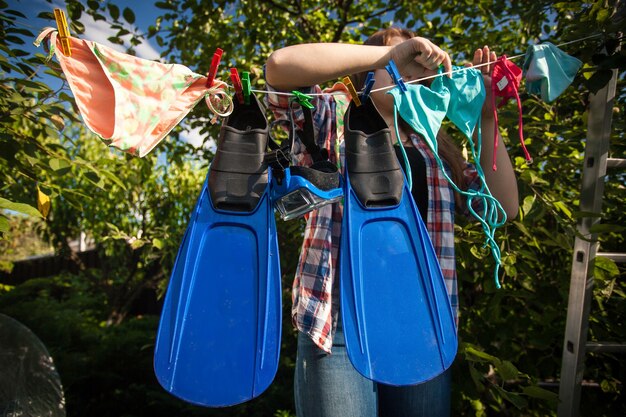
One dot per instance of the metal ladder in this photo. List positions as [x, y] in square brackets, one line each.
[596, 162]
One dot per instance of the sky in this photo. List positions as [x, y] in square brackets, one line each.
[145, 15]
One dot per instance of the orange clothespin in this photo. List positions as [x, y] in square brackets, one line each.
[355, 97]
[234, 76]
[215, 62]
[64, 32]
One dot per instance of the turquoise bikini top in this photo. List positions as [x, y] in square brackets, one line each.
[460, 98]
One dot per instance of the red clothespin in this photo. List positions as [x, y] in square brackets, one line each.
[64, 32]
[505, 81]
[355, 97]
[234, 76]
[215, 62]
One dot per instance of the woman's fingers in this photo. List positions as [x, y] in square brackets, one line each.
[447, 65]
[484, 57]
[431, 56]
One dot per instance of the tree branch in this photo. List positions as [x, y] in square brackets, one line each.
[281, 7]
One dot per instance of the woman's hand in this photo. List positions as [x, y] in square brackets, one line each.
[483, 56]
[420, 51]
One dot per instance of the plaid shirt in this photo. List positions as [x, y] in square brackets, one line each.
[315, 296]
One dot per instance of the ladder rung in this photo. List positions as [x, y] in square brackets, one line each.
[606, 347]
[616, 163]
[614, 256]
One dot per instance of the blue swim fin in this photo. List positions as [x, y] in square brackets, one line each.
[397, 319]
[219, 337]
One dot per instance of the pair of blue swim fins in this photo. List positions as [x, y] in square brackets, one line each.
[218, 341]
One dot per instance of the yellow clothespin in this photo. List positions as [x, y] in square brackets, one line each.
[355, 97]
[64, 32]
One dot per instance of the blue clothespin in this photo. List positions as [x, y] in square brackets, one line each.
[369, 83]
[245, 85]
[395, 75]
[303, 99]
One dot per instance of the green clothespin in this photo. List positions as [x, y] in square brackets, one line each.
[245, 84]
[303, 99]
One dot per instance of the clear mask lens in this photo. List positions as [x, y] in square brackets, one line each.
[299, 202]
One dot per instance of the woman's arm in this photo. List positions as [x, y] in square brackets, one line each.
[315, 63]
[502, 183]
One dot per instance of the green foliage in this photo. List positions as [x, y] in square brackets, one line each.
[106, 370]
[136, 210]
[26, 241]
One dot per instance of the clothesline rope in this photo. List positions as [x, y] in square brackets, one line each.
[424, 78]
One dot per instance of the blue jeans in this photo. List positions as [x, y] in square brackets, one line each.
[329, 386]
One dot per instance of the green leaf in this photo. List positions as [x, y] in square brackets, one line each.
[607, 265]
[157, 243]
[77, 27]
[581, 214]
[129, 15]
[522, 228]
[116, 40]
[4, 224]
[507, 371]
[59, 165]
[563, 208]
[114, 11]
[14, 39]
[606, 228]
[528, 204]
[603, 15]
[540, 393]
[138, 243]
[482, 356]
[113, 178]
[19, 207]
[516, 399]
[46, 15]
[93, 177]
[477, 378]
[16, 13]
[165, 5]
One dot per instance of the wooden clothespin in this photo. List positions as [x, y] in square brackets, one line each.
[355, 97]
[64, 32]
